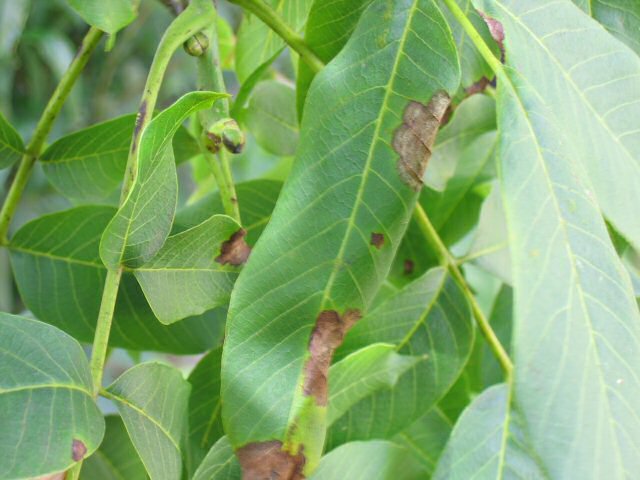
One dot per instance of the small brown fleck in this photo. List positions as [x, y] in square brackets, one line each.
[234, 251]
[408, 267]
[414, 138]
[377, 240]
[78, 450]
[327, 335]
[140, 119]
[234, 200]
[267, 461]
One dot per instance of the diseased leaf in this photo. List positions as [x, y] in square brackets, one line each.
[589, 81]
[377, 459]
[58, 271]
[143, 222]
[364, 372]
[318, 265]
[257, 43]
[88, 165]
[152, 401]
[48, 415]
[220, 463]
[116, 459]
[11, 146]
[620, 17]
[430, 316]
[191, 273]
[108, 16]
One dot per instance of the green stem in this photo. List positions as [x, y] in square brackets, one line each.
[269, 16]
[51, 111]
[449, 262]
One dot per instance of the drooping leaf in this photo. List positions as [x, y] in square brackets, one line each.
[329, 26]
[143, 222]
[377, 459]
[116, 459]
[88, 165]
[11, 146]
[58, 271]
[220, 463]
[271, 117]
[576, 333]
[48, 415]
[426, 437]
[257, 43]
[364, 372]
[620, 17]
[205, 424]
[336, 227]
[152, 401]
[108, 16]
[190, 273]
[430, 316]
[589, 82]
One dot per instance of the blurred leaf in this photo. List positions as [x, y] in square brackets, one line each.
[187, 277]
[58, 271]
[376, 459]
[220, 463]
[363, 373]
[116, 459]
[143, 221]
[271, 117]
[48, 415]
[226, 43]
[620, 17]
[109, 16]
[152, 401]
[11, 146]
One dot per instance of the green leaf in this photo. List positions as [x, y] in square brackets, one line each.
[188, 275]
[205, 424]
[363, 373]
[620, 17]
[116, 459]
[429, 316]
[257, 43]
[11, 146]
[108, 16]
[143, 222]
[329, 26]
[58, 271]
[576, 334]
[271, 117]
[48, 415]
[377, 459]
[88, 165]
[226, 43]
[338, 221]
[426, 438]
[479, 446]
[589, 82]
[220, 463]
[152, 401]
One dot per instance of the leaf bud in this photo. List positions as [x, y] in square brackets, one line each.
[197, 44]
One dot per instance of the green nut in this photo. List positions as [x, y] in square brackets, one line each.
[228, 132]
[197, 44]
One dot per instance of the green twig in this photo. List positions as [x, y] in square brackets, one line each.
[449, 262]
[269, 16]
[51, 111]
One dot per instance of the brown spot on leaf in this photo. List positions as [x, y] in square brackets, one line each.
[78, 450]
[414, 138]
[377, 240]
[408, 267]
[267, 461]
[495, 28]
[478, 87]
[234, 251]
[327, 335]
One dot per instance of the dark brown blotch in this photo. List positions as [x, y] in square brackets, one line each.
[377, 240]
[326, 336]
[267, 461]
[234, 251]
[414, 139]
[78, 450]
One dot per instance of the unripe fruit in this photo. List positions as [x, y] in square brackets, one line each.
[196, 45]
